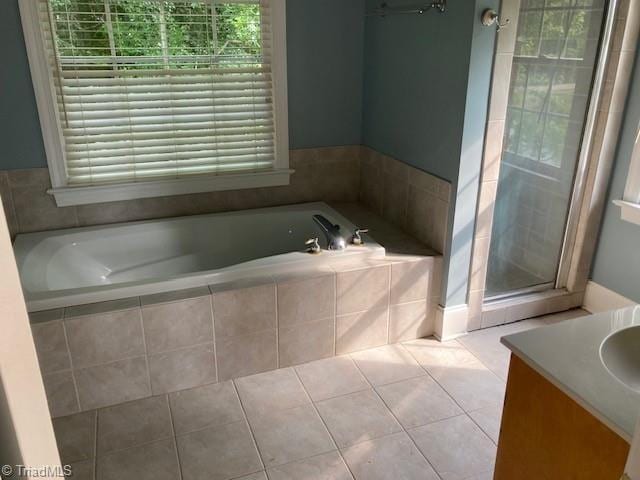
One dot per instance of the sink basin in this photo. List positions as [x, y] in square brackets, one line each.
[620, 354]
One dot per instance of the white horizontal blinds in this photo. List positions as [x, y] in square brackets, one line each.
[150, 88]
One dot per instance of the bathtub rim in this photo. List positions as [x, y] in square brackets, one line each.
[295, 261]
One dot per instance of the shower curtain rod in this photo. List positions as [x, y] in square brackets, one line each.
[384, 9]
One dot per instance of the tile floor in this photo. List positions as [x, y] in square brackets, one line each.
[417, 410]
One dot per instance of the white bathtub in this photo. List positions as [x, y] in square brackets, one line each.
[85, 265]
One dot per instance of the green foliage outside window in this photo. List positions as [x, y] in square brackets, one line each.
[181, 34]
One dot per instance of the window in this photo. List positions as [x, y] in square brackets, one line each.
[555, 50]
[141, 98]
[630, 204]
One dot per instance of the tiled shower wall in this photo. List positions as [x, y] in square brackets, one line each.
[412, 199]
[529, 221]
[112, 352]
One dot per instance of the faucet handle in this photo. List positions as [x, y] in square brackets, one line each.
[356, 238]
[313, 246]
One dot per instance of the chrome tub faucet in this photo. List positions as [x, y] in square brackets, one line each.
[335, 240]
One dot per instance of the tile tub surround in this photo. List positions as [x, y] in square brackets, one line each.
[415, 201]
[331, 174]
[97, 355]
[410, 198]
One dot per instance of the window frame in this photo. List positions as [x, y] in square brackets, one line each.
[66, 195]
[630, 203]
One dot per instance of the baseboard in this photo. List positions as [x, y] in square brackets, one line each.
[600, 299]
[451, 322]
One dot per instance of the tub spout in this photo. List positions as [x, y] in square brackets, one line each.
[335, 240]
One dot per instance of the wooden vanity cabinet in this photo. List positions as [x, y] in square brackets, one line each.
[546, 435]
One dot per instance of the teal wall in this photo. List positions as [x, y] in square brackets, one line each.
[617, 261]
[325, 50]
[415, 72]
[20, 138]
[325, 54]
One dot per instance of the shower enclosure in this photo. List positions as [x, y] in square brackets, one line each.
[555, 66]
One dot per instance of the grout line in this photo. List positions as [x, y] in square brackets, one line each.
[315, 408]
[437, 382]
[480, 426]
[246, 419]
[95, 446]
[277, 315]
[174, 437]
[213, 331]
[464, 412]
[137, 445]
[71, 368]
[300, 460]
[397, 421]
[110, 362]
[146, 350]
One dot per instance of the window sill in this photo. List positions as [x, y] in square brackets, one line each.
[629, 212]
[83, 195]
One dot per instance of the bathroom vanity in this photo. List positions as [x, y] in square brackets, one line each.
[571, 403]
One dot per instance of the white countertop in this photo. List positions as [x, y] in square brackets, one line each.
[568, 355]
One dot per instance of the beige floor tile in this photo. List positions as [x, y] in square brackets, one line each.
[218, 453]
[387, 364]
[84, 470]
[471, 386]
[568, 315]
[331, 378]
[418, 401]
[460, 373]
[275, 390]
[284, 436]
[357, 417]
[431, 353]
[486, 346]
[153, 461]
[482, 476]
[489, 419]
[76, 436]
[255, 476]
[456, 447]
[328, 466]
[134, 423]
[391, 457]
[203, 407]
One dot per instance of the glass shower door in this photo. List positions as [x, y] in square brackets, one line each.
[553, 68]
